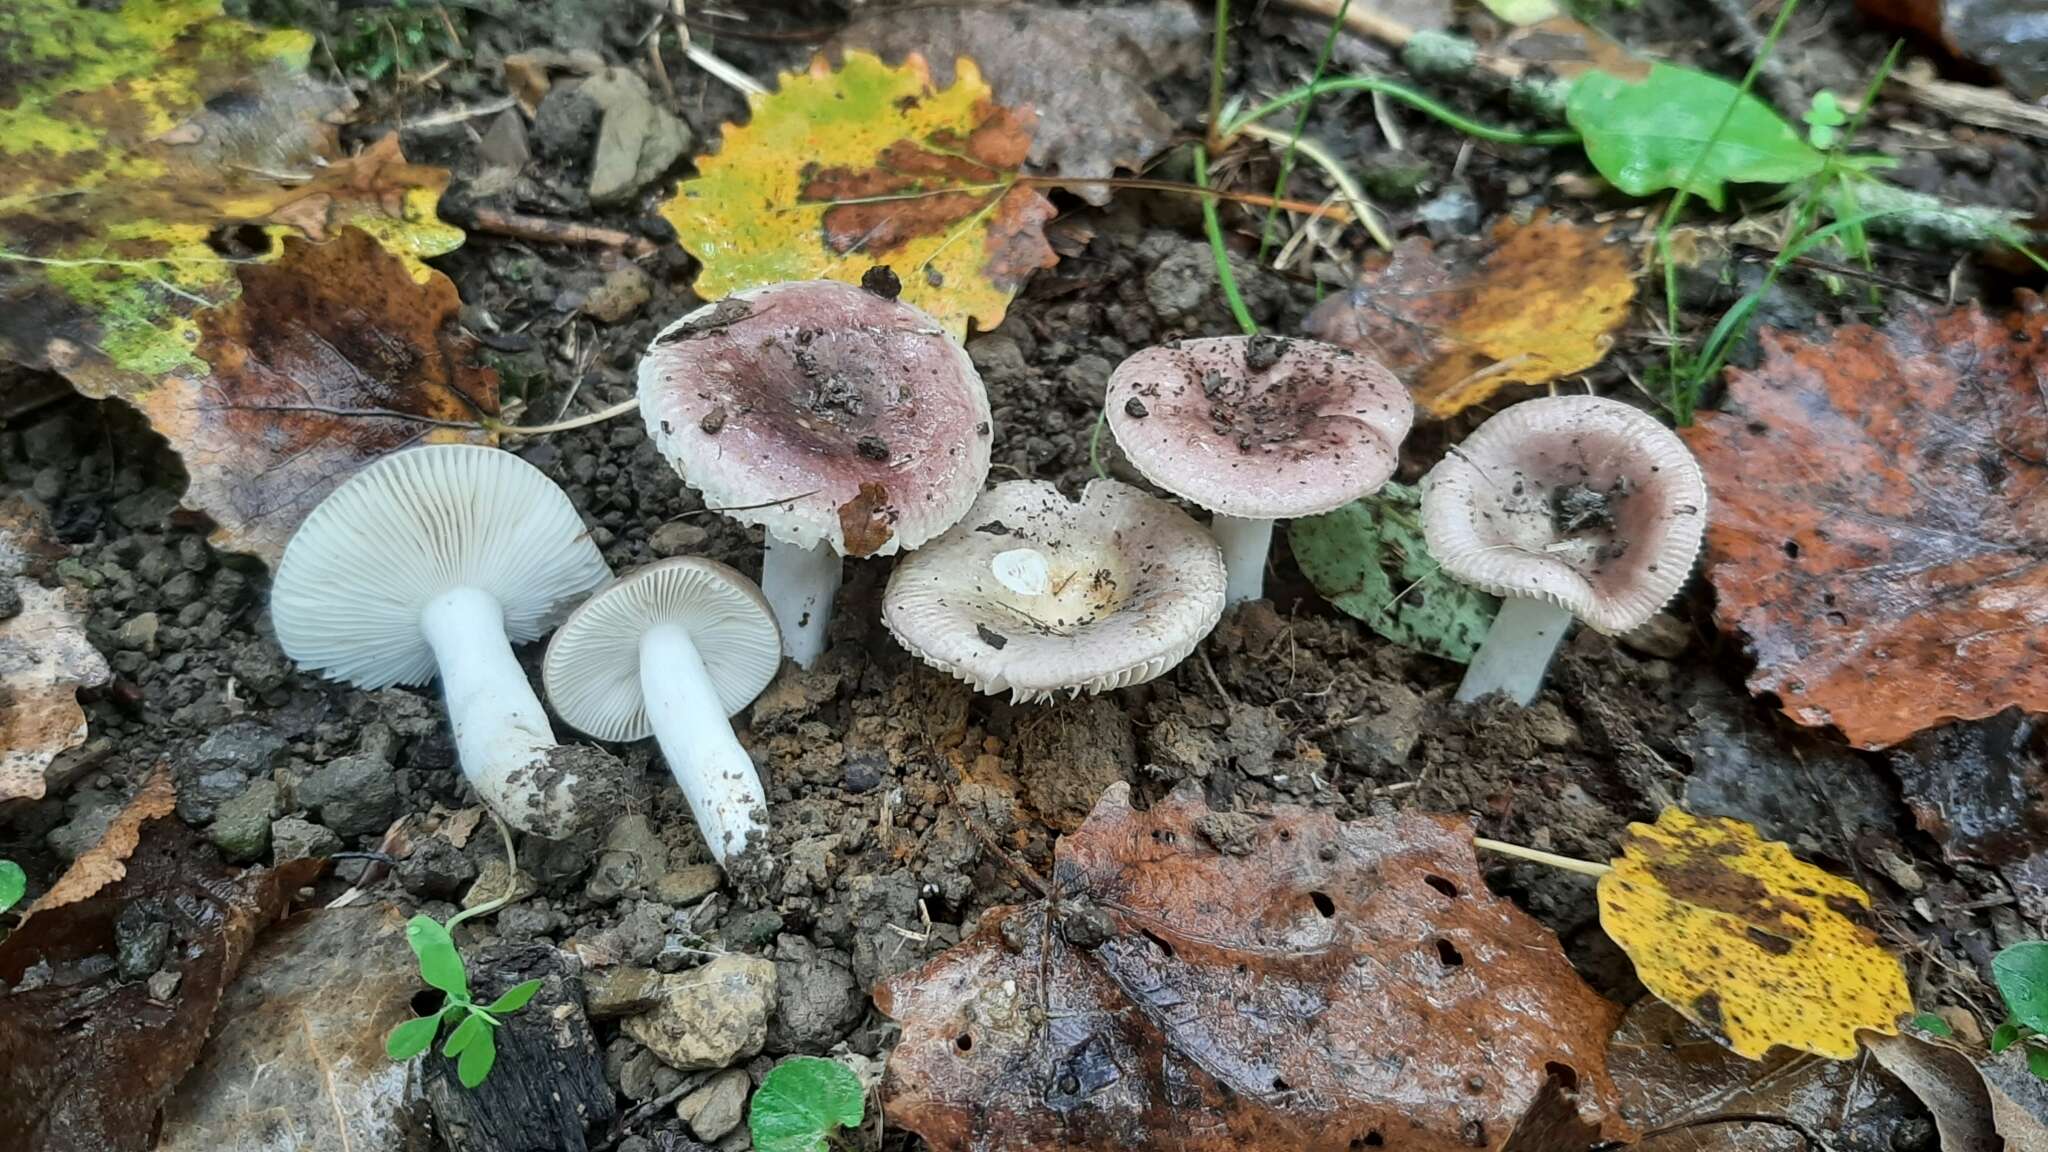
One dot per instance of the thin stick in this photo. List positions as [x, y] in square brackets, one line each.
[584, 421]
[1354, 196]
[719, 69]
[544, 230]
[1538, 856]
[459, 115]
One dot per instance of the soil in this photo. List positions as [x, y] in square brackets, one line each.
[891, 787]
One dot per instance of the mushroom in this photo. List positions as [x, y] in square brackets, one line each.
[1564, 506]
[435, 561]
[843, 422]
[1036, 595]
[1258, 429]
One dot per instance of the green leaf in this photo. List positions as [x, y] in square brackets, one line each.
[2004, 1036]
[514, 998]
[1933, 1025]
[1648, 135]
[477, 1057]
[412, 1037]
[1824, 120]
[1368, 559]
[2021, 972]
[2037, 1062]
[801, 1101]
[440, 963]
[13, 884]
[1522, 12]
[464, 1035]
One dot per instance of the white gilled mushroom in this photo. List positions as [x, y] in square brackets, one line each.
[1258, 429]
[674, 649]
[436, 560]
[843, 422]
[1565, 506]
[1035, 595]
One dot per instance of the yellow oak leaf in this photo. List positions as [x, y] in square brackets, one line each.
[1747, 940]
[1541, 301]
[839, 171]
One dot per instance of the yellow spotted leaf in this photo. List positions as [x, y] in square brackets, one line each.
[1747, 940]
[1538, 301]
[839, 171]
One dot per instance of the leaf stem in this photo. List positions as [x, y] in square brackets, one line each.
[1216, 51]
[1538, 856]
[584, 421]
[1406, 95]
[511, 880]
[1214, 227]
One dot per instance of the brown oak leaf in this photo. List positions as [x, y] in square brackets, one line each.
[1880, 524]
[1322, 986]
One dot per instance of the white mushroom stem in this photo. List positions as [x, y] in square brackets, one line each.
[800, 583]
[716, 774]
[499, 725]
[1515, 656]
[1244, 544]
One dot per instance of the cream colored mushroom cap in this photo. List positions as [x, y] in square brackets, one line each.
[1038, 596]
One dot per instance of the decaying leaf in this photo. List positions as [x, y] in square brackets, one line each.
[107, 861]
[1311, 984]
[1945, 1079]
[1369, 559]
[1747, 940]
[1096, 114]
[1880, 532]
[1541, 301]
[86, 1057]
[297, 1062]
[152, 155]
[44, 655]
[1981, 790]
[838, 171]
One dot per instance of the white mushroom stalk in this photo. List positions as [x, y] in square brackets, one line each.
[1245, 545]
[674, 650]
[431, 563]
[1565, 506]
[800, 584]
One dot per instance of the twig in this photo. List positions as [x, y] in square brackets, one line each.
[459, 115]
[1538, 856]
[1354, 196]
[520, 226]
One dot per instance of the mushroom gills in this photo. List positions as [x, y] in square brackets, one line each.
[800, 583]
[715, 774]
[1516, 654]
[1245, 544]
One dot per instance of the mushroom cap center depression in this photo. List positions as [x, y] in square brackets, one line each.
[833, 392]
[1058, 589]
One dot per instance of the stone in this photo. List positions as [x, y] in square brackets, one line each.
[716, 1108]
[435, 869]
[90, 815]
[139, 632]
[241, 827]
[637, 138]
[1452, 214]
[243, 745]
[292, 838]
[678, 538]
[199, 798]
[816, 998]
[163, 984]
[355, 795]
[1663, 636]
[142, 938]
[260, 667]
[504, 144]
[633, 858]
[1381, 740]
[565, 124]
[626, 289]
[709, 1017]
[614, 992]
[182, 589]
[688, 884]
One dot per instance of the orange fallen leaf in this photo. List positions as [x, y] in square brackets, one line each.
[107, 861]
[1541, 301]
[1880, 527]
[45, 657]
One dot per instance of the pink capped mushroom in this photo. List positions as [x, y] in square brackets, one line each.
[842, 421]
[1567, 506]
[1258, 429]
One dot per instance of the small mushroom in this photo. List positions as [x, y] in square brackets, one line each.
[1564, 506]
[1258, 429]
[674, 649]
[1035, 595]
[843, 422]
[436, 560]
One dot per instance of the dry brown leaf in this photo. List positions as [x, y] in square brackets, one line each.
[1541, 301]
[107, 861]
[1310, 984]
[45, 657]
[1880, 526]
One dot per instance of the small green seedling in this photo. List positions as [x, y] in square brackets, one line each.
[2022, 975]
[13, 884]
[471, 1044]
[1824, 120]
[803, 1101]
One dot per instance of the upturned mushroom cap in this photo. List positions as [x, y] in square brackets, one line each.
[1260, 427]
[411, 526]
[592, 667]
[1035, 595]
[1584, 502]
[822, 412]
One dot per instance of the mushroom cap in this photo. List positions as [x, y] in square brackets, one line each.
[1035, 595]
[1584, 502]
[822, 412]
[592, 667]
[411, 526]
[1260, 427]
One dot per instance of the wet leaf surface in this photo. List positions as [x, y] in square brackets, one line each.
[45, 657]
[107, 861]
[1369, 559]
[838, 171]
[1324, 985]
[1539, 301]
[1880, 535]
[86, 1059]
[1981, 790]
[1748, 941]
[1088, 74]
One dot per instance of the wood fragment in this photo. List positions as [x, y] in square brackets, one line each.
[545, 230]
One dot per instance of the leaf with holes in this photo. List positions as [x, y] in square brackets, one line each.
[1748, 941]
[1368, 558]
[1880, 533]
[1208, 981]
[838, 171]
